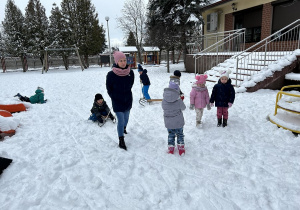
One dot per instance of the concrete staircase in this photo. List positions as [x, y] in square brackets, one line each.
[247, 71]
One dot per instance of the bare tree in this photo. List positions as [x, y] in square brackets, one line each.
[133, 20]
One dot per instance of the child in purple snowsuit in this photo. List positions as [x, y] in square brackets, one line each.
[199, 98]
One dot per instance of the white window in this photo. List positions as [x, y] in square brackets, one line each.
[212, 22]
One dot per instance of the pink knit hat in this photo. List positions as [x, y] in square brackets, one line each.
[118, 55]
[201, 79]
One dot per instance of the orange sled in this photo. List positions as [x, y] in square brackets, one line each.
[5, 113]
[13, 107]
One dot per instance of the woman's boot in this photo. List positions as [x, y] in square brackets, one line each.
[122, 143]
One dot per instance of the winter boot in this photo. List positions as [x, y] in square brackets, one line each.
[219, 122]
[181, 149]
[224, 123]
[122, 143]
[199, 124]
[125, 130]
[171, 149]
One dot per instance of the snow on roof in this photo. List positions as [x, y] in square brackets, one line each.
[151, 49]
[128, 49]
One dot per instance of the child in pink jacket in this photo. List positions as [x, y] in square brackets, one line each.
[199, 98]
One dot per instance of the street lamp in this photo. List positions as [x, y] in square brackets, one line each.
[107, 19]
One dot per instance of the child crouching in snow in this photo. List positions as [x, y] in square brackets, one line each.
[100, 110]
[173, 117]
[199, 98]
[37, 98]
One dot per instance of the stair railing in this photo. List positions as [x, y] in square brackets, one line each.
[257, 57]
[221, 50]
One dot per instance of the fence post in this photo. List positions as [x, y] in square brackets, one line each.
[25, 63]
[236, 70]
[3, 64]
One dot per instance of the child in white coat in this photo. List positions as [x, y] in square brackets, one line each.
[199, 98]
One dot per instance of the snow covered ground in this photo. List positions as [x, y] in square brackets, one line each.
[63, 161]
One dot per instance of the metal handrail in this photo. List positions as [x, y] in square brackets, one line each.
[264, 46]
[221, 42]
[267, 38]
[204, 39]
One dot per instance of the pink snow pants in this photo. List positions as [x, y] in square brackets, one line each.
[222, 111]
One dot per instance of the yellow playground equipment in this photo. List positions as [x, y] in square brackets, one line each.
[289, 117]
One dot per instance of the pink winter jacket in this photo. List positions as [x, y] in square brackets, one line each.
[199, 97]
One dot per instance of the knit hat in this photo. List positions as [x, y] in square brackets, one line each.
[225, 73]
[201, 79]
[118, 55]
[98, 96]
[140, 68]
[173, 85]
[177, 73]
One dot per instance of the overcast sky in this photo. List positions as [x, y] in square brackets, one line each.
[111, 8]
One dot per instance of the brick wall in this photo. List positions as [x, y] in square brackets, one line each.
[229, 22]
[266, 23]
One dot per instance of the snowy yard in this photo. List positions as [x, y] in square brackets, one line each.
[63, 161]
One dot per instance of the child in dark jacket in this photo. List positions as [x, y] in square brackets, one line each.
[100, 110]
[38, 98]
[223, 96]
[145, 81]
[176, 79]
[173, 117]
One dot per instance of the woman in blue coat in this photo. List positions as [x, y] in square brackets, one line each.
[119, 82]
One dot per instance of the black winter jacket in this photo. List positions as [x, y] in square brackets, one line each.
[144, 77]
[119, 90]
[222, 94]
[97, 109]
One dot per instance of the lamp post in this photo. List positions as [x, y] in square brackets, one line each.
[107, 19]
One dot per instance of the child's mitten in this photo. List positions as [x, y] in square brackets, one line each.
[208, 106]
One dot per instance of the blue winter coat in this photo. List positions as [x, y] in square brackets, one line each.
[222, 94]
[144, 77]
[119, 90]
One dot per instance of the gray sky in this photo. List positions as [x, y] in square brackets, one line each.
[111, 8]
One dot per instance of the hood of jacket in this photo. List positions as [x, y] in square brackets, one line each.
[171, 95]
[145, 71]
[38, 91]
[199, 89]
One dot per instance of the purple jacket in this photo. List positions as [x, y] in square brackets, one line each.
[199, 97]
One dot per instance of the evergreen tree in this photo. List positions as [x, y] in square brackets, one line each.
[131, 41]
[59, 34]
[181, 18]
[14, 31]
[36, 24]
[82, 20]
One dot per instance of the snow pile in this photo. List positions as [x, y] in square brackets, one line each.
[8, 123]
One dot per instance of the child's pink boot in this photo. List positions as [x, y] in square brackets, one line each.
[171, 149]
[181, 149]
